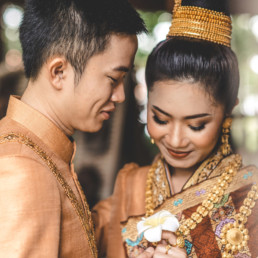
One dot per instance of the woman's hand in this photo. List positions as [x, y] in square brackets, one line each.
[168, 248]
[148, 253]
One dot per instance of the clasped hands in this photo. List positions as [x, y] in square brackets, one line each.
[166, 248]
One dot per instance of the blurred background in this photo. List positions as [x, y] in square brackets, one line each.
[124, 137]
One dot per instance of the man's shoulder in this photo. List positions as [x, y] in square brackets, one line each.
[132, 178]
[14, 149]
[133, 171]
[25, 177]
[20, 162]
[4, 124]
[12, 141]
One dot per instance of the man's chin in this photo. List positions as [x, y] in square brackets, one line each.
[94, 129]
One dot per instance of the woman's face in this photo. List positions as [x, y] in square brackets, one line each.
[184, 121]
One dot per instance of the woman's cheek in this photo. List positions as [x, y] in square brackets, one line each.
[153, 129]
[208, 139]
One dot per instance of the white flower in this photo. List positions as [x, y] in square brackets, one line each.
[153, 225]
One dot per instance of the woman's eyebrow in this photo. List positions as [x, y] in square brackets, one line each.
[186, 117]
[197, 116]
[161, 111]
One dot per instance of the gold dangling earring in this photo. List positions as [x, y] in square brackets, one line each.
[226, 126]
[152, 141]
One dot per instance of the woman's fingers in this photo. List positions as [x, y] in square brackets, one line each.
[148, 253]
[169, 237]
[168, 251]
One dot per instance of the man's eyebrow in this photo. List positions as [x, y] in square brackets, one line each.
[121, 69]
[186, 117]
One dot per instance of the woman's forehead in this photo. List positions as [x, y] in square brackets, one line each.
[182, 97]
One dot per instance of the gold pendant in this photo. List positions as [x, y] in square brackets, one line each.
[234, 237]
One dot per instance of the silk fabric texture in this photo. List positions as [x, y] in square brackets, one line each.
[37, 219]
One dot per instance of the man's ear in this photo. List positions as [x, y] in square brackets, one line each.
[57, 70]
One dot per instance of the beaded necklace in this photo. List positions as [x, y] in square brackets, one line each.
[234, 235]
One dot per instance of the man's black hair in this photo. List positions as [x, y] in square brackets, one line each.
[75, 29]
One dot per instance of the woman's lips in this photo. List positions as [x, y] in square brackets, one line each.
[178, 154]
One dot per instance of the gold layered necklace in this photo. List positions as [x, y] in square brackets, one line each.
[234, 235]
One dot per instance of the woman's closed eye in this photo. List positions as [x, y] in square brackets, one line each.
[159, 121]
[197, 128]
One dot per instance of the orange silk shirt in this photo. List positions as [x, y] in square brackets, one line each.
[128, 199]
[37, 219]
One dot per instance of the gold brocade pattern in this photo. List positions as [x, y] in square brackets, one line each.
[234, 236]
[215, 196]
[202, 173]
[134, 242]
[156, 190]
[86, 220]
[205, 169]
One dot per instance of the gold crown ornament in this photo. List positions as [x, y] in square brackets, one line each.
[200, 23]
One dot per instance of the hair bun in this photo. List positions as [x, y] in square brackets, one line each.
[202, 19]
[213, 5]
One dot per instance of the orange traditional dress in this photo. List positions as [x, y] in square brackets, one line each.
[43, 212]
[217, 209]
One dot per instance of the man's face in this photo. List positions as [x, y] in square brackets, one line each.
[101, 86]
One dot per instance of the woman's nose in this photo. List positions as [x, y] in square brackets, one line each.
[176, 137]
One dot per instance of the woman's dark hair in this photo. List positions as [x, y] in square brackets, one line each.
[214, 66]
[75, 29]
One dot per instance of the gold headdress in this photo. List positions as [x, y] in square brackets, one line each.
[200, 23]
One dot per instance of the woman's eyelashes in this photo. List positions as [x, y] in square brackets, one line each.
[197, 128]
[159, 121]
[164, 122]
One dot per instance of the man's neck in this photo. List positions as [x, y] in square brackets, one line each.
[42, 100]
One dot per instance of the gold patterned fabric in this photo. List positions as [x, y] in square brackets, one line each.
[43, 210]
[204, 240]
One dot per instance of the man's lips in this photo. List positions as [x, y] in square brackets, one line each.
[107, 113]
[178, 154]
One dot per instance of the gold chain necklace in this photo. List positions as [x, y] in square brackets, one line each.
[234, 235]
[205, 169]
[86, 222]
[149, 205]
